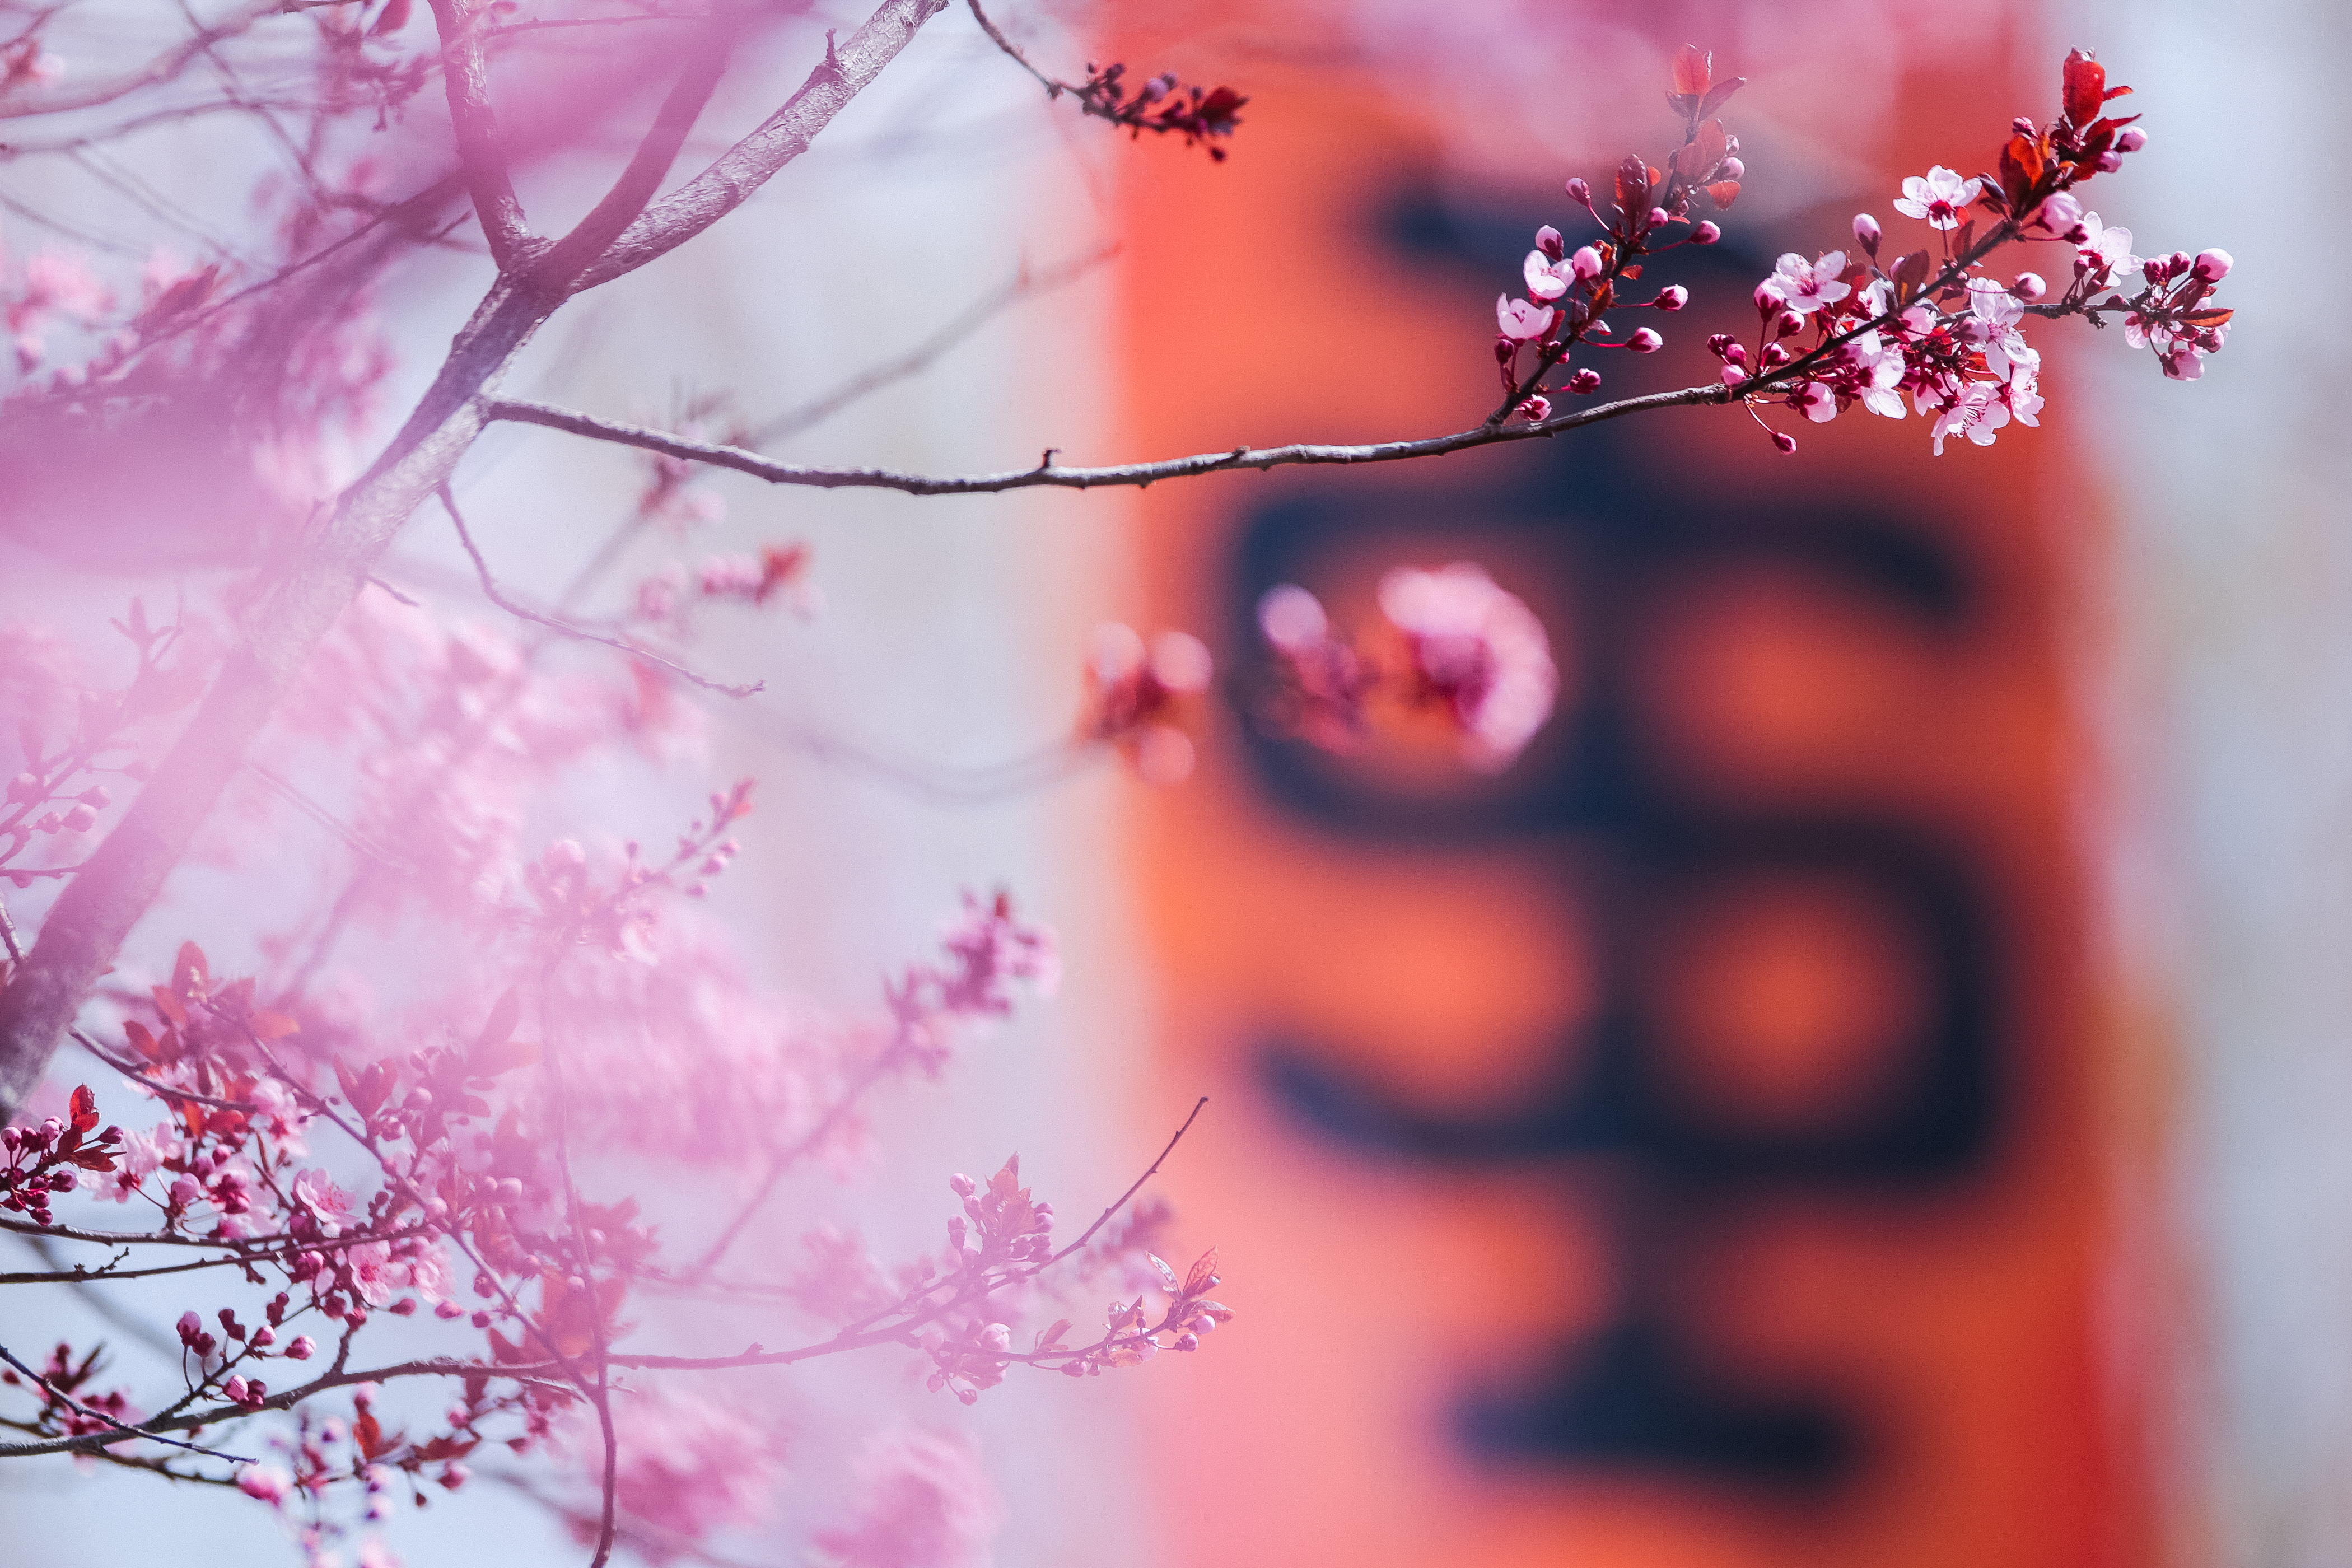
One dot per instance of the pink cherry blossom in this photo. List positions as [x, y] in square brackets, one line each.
[1547, 279]
[1939, 197]
[2105, 248]
[1804, 286]
[1522, 321]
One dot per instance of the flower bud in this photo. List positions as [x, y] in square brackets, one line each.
[2029, 287]
[1658, 217]
[2110, 161]
[1674, 298]
[191, 1328]
[1789, 324]
[1767, 303]
[1645, 340]
[81, 819]
[2213, 266]
[1784, 441]
[1586, 263]
[263, 1338]
[1579, 193]
[1584, 382]
[1731, 169]
[2130, 139]
[1867, 232]
[1706, 234]
[1547, 240]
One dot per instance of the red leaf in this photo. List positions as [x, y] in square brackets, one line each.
[169, 1006]
[1722, 94]
[1204, 1277]
[2087, 87]
[1723, 192]
[500, 1025]
[143, 1041]
[1694, 70]
[84, 1109]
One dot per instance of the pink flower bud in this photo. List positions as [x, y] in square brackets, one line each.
[235, 1389]
[81, 819]
[1584, 382]
[1867, 232]
[1731, 169]
[2029, 287]
[2110, 161]
[1548, 241]
[963, 1186]
[25, 786]
[190, 1326]
[301, 1348]
[1674, 298]
[1789, 324]
[1658, 217]
[2213, 265]
[1586, 263]
[1579, 193]
[1645, 340]
[96, 795]
[2130, 139]
[454, 1476]
[1706, 234]
[1767, 303]
[263, 1338]
[1784, 441]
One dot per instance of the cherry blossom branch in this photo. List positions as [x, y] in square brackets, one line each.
[160, 69]
[156, 1085]
[69, 1400]
[1049, 474]
[86, 925]
[634, 650]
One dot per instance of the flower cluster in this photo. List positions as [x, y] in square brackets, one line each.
[1934, 328]
[1458, 645]
[1567, 291]
[1137, 699]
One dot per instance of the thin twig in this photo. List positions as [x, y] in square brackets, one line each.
[1024, 284]
[636, 650]
[1051, 475]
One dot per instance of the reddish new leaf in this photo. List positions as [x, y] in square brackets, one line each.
[1694, 70]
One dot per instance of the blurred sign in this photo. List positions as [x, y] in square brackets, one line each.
[1677, 1149]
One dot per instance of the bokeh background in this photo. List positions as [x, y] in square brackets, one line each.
[1869, 1086]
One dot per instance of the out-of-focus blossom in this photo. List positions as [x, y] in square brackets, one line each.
[1478, 649]
[923, 1502]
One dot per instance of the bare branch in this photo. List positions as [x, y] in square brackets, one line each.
[626, 200]
[1049, 474]
[634, 650]
[495, 202]
[728, 183]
